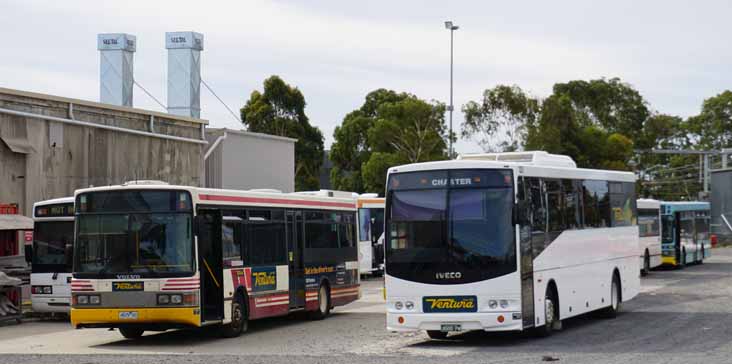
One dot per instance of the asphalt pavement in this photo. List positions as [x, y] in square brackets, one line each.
[681, 316]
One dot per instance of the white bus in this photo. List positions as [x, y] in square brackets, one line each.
[53, 240]
[370, 229]
[649, 227]
[509, 241]
[150, 256]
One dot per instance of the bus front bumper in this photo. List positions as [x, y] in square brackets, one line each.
[668, 261]
[116, 317]
[50, 304]
[487, 321]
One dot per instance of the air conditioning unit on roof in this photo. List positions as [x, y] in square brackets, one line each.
[536, 158]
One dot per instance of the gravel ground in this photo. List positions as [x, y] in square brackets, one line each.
[681, 316]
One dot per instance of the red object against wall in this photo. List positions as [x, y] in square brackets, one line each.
[8, 238]
[8, 243]
[11, 209]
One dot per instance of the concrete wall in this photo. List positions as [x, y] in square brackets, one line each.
[52, 159]
[245, 160]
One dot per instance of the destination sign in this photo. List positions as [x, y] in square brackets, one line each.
[57, 210]
[457, 178]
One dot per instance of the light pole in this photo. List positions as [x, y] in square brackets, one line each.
[452, 28]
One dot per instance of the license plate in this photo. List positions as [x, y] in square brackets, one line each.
[451, 327]
[128, 315]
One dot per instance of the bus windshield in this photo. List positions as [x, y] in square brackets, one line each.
[50, 241]
[463, 226]
[371, 223]
[153, 239]
[667, 229]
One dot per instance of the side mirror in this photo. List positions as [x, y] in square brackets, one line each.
[29, 253]
[198, 221]
[69, 254]
[521, 213]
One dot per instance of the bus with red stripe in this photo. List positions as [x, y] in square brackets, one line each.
[151, 257]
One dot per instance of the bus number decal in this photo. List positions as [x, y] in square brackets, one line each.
[264, 279]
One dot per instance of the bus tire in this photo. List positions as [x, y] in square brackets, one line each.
[437, 334]
[239, 319]
[131, 332]
[324, 303]
[646, 264]
[682, 264]
[551, 313]
[616, 298]
[703, 254]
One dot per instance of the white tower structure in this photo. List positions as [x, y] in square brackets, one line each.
[116, 79]
[184, 73]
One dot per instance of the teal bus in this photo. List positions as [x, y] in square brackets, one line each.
[685, 236]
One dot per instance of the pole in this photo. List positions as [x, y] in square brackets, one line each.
[452, 31]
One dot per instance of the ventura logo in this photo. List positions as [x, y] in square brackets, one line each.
[450, 304]
[448, 275]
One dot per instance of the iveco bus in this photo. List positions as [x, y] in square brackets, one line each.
[150, 256]
[510, 241]
[53, 239]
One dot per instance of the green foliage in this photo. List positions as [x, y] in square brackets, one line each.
[280, 110]
[390, 128]
[498, 122]
[712, 128]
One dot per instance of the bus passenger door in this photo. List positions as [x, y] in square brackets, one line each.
[210, 264]
[532, 229]
[296, 269]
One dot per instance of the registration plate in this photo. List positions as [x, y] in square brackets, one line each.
[451, 327]
[128, 315]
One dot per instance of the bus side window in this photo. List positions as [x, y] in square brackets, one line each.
[555, 206]
[538, 215]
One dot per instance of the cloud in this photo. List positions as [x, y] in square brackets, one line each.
[674, 53]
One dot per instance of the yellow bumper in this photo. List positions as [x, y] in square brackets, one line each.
[668, 261]
[176, 315]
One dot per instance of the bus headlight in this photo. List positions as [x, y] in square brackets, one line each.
[47, 289]
[163, 299]
[95, 300]
[504, 303]
[82, 300]
[409, 305]
[398, 305]
[176, 299]
[493, 304]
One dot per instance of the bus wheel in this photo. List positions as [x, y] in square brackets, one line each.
[239, 322]
[615, 299]
[701, 260]
[130, 333]
[551, 317]
[437, 334]
[682, 265]
[646, 264]
[323, 303]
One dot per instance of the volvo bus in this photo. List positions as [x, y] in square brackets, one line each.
[504, 242]
[53, 240]
[649, 228]
[370, 229]
[685, 235]
[150, 256]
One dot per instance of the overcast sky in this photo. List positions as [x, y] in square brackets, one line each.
[676, 53]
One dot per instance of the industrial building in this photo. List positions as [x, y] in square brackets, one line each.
[51, 145]
[243, 160]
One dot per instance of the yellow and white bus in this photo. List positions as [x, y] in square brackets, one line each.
[151, 257]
